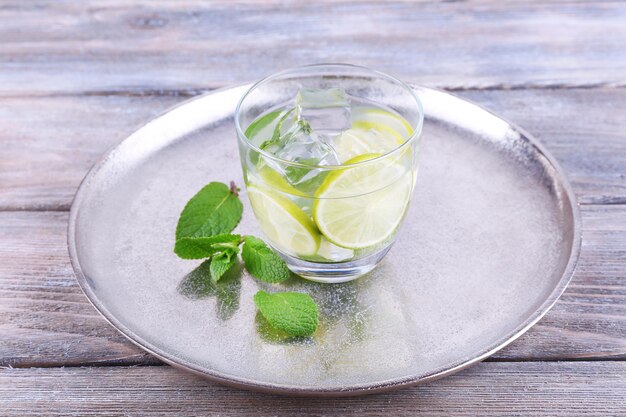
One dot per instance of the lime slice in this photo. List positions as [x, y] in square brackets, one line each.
[287, 227]
[380, 129]
[362, 206]
[354, 142]
[272, 178]
[379, 119]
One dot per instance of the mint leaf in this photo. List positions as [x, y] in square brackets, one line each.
[221, 263]
[267, 332]
[203, 247]
[291, 312]
[277, 137]
[262, 262]
[214, 210]
[259, 124]
[279, 126]
[296, 173]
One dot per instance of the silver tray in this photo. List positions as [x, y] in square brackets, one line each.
[489, 244]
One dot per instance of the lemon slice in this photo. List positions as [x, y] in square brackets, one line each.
[381, 129]
[362, 206]
[371, 117]
[373, 131]
[354, 142]
[272, 178]
[287, 227]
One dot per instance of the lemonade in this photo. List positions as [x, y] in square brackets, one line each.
[330, 215]
[329, 176]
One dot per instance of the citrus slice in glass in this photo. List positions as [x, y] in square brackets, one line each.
[383, 121]
[286, 225]
[362, 206]
[355, 142]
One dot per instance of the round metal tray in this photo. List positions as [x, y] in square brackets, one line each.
[489, 244]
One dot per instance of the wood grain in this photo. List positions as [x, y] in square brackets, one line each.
[488, 389]
[45, 320]
[77, 77]
[49, 143]
[173, 47]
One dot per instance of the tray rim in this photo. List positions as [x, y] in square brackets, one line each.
[355, 389]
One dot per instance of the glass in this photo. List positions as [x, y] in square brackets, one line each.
[329, 155]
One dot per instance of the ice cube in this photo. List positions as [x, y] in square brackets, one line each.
[294, 140]
[326, 110]
[307, 149]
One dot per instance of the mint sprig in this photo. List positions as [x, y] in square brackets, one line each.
[204, 231]
[205, 247]
[262, 262]
[277, 136]
[291, 312]
[214, 210]
[221, 263]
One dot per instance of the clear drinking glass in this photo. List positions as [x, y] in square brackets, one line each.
[329, 155]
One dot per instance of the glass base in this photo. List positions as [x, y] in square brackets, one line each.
[332, 273]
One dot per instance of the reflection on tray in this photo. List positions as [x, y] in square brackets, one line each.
[198, 284]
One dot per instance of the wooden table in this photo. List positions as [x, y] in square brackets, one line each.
[77, 77]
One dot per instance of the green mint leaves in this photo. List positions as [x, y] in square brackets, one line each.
[214, 210]
[291, 312]
[279, 137]
[221, 263]
[204, 227]
[204, 231]
[262, 262]
[205, 247]
[259, 124]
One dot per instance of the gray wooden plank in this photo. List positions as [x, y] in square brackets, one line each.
[101, 46]
[45, 320]
[48, 143]
[488, 389]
